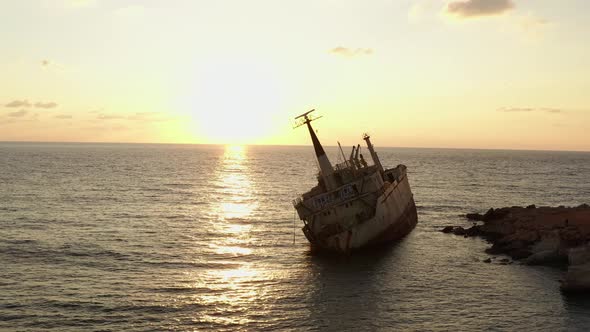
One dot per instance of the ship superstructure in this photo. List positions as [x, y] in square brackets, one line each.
[355, 204]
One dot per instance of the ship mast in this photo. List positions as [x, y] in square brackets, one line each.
[374, 156]
[326, 169]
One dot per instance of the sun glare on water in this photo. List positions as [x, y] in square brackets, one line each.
[235, 202]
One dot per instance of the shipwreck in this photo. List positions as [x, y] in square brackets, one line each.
[356, 204]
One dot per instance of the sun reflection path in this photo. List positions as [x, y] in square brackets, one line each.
[237, 200]
[232, 275]
[238, 286]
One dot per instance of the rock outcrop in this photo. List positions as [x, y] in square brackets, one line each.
[577, 277]
[535, 235]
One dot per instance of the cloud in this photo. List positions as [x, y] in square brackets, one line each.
[140, 117]
[345, 51]
[109, 117]
[54, 66]
[46, 105]
[18, 103]
[477, 8]
[532, 24]
[26, 104]
[18, 114]
[106, 128]
[63, 116]
[531, 110]
[146, 117]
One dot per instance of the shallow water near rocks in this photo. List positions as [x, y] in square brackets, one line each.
[180, 237]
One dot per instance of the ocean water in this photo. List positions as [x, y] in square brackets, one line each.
[112, 237]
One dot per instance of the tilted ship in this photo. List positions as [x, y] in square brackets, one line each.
[355, 204]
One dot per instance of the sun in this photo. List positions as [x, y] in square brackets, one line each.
[235, 102]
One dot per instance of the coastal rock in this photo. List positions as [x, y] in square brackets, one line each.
[547, 257]
[492, 214]
[448, 229]
[473, 231]
[518, 254]
[542, 233]
[579, 256]
[548, 243]
[474, 216]
[459, 230]
[577, 277]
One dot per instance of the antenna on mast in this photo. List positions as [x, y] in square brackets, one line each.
[326, 169]
[305, 119]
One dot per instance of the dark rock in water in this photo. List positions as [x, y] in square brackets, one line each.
[474, 216]
[459, 230]
[577, 278]
[536, 235]
[488, 260]
[519, 253]
[516, 250]
[546, 257]
[492, 214]
[510, 245]
[473, 231]
[495, 249]
[447, 229]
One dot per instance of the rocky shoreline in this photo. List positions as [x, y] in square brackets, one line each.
[537, 236]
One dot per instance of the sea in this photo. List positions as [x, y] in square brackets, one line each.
[151, 237]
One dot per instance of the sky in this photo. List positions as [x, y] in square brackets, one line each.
[492, 74]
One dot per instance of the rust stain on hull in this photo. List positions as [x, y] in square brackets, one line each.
[396, 231]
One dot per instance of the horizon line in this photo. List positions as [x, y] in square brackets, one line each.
[287, 145]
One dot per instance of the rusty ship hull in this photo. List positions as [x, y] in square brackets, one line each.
[395, 217]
